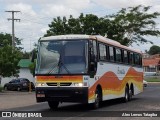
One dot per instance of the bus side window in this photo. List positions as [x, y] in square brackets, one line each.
[118, 55]
[125, 56]
[140, 60]
[102, 51]
[93, 58]
[95, 50]
[107, 52]
[136, 59]
[111, 53]
[131, 58]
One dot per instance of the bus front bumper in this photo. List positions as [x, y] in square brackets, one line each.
[62, 94]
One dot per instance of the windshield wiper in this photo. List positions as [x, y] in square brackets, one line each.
[59, 64]
[53, 68]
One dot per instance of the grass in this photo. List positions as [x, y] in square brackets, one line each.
[153, 79]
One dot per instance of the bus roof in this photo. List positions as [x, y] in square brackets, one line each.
[95, 37]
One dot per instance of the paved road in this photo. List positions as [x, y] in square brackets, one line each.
[149, 100]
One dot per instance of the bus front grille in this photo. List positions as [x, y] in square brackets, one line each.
[59, 84]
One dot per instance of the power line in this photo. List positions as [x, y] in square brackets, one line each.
[13, 19]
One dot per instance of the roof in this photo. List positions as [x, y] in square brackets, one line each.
[95, 37]
[151, 62]
[72, 36]
[24, 63]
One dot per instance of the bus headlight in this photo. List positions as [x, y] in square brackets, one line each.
[40, 84]
[79, 84]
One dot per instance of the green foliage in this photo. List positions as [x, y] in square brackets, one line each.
[137, 22]
[9, 57]
[127, 26]
[6, 36]
[32, 67]
[154, 50]
[26, 55]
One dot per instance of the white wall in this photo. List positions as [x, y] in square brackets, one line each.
[24, 73]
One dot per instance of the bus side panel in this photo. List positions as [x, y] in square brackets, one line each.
[113, 78]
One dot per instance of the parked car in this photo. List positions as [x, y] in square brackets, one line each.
[19, 84]
[145, 83]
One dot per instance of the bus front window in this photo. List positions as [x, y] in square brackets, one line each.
[62, 57]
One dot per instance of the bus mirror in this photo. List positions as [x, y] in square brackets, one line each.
[33, 56]
[93, 58]
[34, 72]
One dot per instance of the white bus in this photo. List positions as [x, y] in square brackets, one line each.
[86, 69]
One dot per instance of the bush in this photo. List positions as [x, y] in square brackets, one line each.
[1, 88]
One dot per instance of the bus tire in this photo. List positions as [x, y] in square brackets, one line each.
[96, 104]
[130, 95]
[131, 92]
[126, 96]
[53, 104]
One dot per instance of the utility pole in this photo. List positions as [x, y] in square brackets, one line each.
[13, 19]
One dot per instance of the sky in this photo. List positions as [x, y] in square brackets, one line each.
[35, 16]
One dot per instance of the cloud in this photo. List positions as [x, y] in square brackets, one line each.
[52, 10]
[118, 4]
[24, 8]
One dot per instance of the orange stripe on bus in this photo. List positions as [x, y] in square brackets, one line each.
[60, 78]
[110, 82]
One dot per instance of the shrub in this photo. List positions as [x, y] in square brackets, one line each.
[1, 88]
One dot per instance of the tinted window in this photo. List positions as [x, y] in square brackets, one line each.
[95, 48]
[125, 57]
[131, 58]
[102, 49]
[140, 61]
[111, 53]
[17, 81]
[12, 81]
[137, 59]
[24, 80]
[118, 55]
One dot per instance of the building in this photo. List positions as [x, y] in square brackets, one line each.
[24, 69]
[151, 64]
[24, 72]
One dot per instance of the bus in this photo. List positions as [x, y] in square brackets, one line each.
[86, 69]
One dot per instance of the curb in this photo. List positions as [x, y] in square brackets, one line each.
[154, 82]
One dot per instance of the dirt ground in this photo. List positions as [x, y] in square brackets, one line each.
[12, 99]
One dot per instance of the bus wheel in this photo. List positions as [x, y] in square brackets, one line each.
[53, 104]
[126, 96]
[96, 104]
[130, 95]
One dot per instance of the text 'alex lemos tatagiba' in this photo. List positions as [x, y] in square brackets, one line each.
[139, 115]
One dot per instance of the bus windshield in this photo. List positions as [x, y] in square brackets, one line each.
[62, 57]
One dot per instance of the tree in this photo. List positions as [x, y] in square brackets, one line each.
[154, 50]
[137, 23]
[9, 60]
[6, 36]
[127, 26]
[9, 57]
[26, 55]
